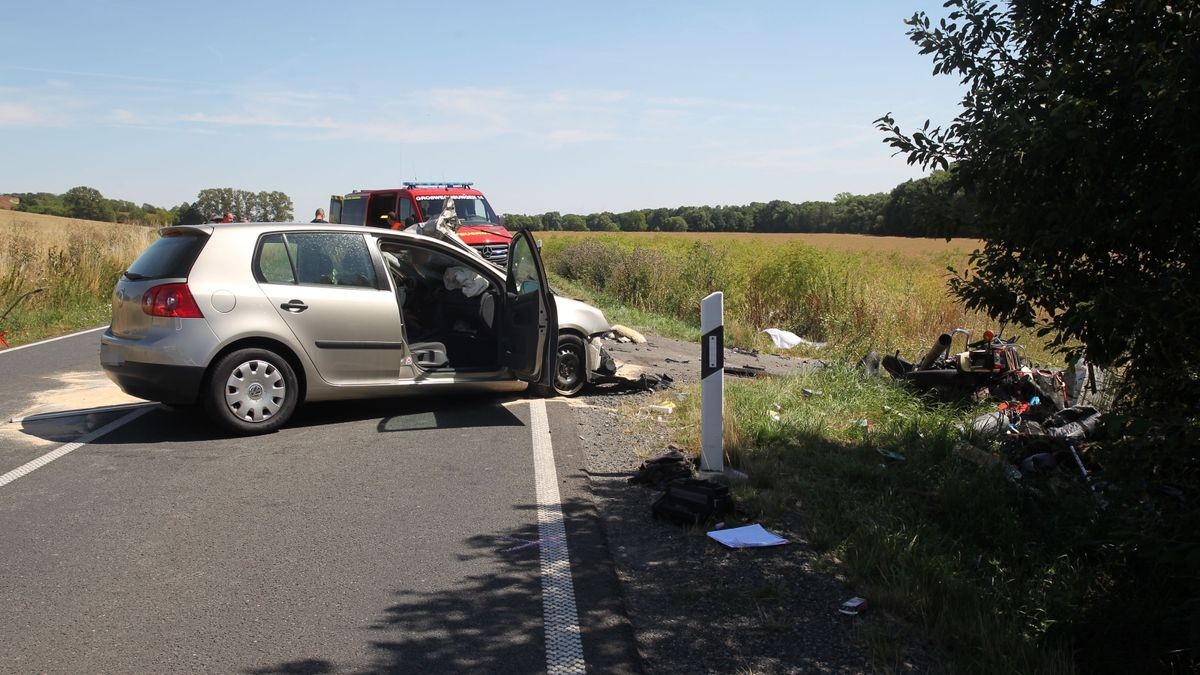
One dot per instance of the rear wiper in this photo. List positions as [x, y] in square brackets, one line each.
[134, 276]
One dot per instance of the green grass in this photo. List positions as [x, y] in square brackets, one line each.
[987, 572]
[1001, 578]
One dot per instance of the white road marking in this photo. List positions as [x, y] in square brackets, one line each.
[564, 645]
[53, 339]
[29, 467]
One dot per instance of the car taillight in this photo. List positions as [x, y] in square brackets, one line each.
[173, 300]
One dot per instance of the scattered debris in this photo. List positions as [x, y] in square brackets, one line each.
[662, 408]
[869, 364]
[784, 339]
[692, 501]
[749, 536]
[854, 606]
[745, 352]
[671, 360]
[973, 454]
[746, 371]
[663, 468]
[809, 393]
[891, 454]
[1074, 424]
[775, 417]
[629, 333]
[643, 382]
[1038, 463]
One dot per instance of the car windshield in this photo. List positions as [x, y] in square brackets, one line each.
[471, 210]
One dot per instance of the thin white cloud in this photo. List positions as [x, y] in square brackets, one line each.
[559, 137]
[258, 120]
[20, 115]
[122, 117]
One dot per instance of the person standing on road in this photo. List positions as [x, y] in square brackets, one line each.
[320, 217]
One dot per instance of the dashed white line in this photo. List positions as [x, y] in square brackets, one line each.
[29, 467]
[564, 644]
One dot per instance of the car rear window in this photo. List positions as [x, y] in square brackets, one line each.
[170, 257]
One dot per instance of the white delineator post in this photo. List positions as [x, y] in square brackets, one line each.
[712, 382]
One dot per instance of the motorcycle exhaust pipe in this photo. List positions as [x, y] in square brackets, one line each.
[939, 347]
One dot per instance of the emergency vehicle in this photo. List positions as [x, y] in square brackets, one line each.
[413, 203]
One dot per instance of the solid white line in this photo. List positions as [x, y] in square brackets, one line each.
[53, 339]
[29, 467]
[560, 617]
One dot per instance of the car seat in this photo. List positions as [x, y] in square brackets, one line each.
[429, 354]
[314, 267]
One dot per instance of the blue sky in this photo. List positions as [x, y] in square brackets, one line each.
[567, 106]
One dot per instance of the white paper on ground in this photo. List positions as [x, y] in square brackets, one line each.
[747, 537]
[786, 339]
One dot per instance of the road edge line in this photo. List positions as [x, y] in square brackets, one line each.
[33, 465]
[53, 339]
[560, 616]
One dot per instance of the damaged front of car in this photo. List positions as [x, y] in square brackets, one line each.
[581, 355]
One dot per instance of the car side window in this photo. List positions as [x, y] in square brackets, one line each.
[524, 277]
[273, 265]
[333, 259]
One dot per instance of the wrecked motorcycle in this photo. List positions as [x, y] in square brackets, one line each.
[992, 363]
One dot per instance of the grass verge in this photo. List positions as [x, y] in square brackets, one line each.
[76, 262]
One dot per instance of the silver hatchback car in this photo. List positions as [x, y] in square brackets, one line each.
[251, 319]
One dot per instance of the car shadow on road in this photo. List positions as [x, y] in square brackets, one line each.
[414, 414]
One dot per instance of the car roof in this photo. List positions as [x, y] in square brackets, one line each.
[253, 229]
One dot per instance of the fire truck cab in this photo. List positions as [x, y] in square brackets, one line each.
[415, 202]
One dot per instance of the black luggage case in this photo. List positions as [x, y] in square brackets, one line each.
[692, 501]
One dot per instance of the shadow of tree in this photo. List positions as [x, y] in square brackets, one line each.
[492, 621]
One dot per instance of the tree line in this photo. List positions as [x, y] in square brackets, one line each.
[89, 204]
[926, 207]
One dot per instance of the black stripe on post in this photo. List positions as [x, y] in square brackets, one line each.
[712, 352]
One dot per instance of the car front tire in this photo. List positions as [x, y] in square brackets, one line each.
[251, 391]
[571, 369]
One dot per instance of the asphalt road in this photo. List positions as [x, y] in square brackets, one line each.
[385, 536]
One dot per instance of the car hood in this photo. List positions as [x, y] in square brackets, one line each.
[580, 316]
[467, 232]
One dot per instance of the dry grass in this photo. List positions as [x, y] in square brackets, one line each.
[853, 291]
[908, 246]
[77, 262]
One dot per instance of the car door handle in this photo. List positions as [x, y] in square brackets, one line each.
[294, 306]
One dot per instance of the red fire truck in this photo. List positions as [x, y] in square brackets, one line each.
[417, 202]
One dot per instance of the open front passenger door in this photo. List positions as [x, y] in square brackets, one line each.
[530, 318]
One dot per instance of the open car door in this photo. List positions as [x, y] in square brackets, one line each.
[530, 317]
[335, 209]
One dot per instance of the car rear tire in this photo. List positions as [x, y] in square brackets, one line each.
[251, 391]
[571, 369]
